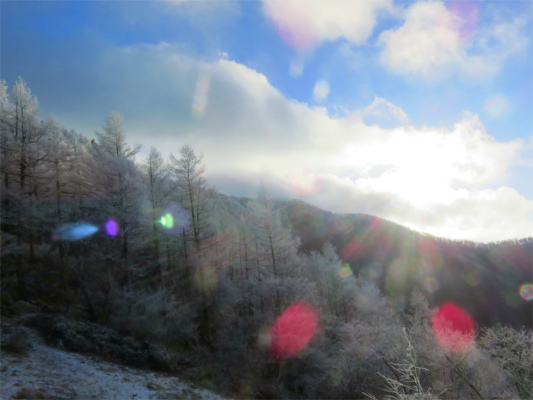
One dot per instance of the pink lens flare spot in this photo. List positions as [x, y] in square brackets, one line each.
[304, 184]
[111, 227]
[295, 32]
[526, 291]
[293, 330]
[453, 327]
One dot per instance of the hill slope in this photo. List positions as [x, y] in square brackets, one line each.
[483, 278]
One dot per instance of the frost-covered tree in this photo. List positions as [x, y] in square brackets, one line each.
[513, 350]
[22, 186]
[156, 178]
[113, 178]
[21, 133]
[191, 188]
[273, 242]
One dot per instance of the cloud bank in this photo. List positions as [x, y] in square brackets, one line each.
[433, 180]
[436, 40]
[306, 24]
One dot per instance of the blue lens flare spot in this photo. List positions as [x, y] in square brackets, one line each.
[71, 232]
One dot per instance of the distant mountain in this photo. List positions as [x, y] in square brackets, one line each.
[484, 279]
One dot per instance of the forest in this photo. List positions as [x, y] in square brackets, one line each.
[142, 262]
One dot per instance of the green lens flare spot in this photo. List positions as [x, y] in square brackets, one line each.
[170, 220]
[167, 220]
[345, 271]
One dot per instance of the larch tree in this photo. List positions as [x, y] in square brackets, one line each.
[20, 125]
[59, 178]
[191, 188]
[114, 177]
[274, 244]
[21, 168]
[156, 179]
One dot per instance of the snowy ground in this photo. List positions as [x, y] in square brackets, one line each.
[49, 373]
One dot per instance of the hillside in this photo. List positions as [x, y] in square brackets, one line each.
[44, 372]
[482, 278]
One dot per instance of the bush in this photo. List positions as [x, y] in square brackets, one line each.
[16, 339]
[154, 315]
[87, 337]
[513, 350]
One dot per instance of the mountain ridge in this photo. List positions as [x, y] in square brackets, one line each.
[484, 278]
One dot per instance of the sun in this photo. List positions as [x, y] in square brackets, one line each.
[420, 169]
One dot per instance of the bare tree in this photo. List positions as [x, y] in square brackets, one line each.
[191, 188]
[156, 178]
[113, 177]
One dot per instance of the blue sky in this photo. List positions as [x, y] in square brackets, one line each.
[419, 112]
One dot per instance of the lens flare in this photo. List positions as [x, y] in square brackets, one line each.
[467, 14]
[174, 219]
[200, 98]
[453, 327]
[345, 271]
[296, 68]
[293, 330]
[298, 35]
[352, 250]
[496, 105]
[205, 278]
[526, 291]
[472, 278]
[321, 91]
[430, 284]
[72, 232]
[167, 221]
[304, 183]
[111, 227]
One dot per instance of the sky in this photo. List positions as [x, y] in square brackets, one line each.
[418, 112]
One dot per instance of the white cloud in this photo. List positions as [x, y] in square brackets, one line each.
[304, 24]
[431, 179]
[384, 110]
[432, 43]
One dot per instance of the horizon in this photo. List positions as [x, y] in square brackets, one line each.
[340, 106]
